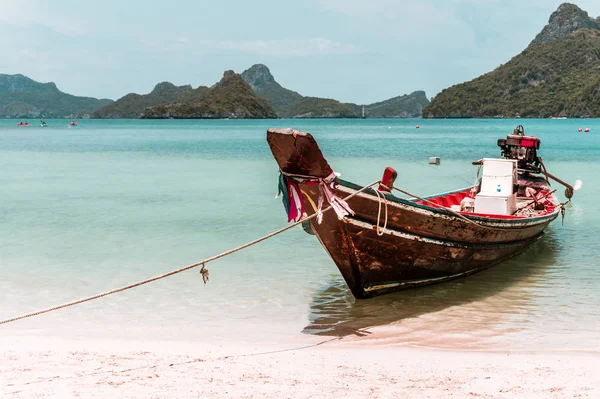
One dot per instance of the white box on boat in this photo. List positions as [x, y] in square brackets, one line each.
[497, 196]
[495, 204]
[499, 176]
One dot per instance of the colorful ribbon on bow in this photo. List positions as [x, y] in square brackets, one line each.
[339, 206]
[292, 199]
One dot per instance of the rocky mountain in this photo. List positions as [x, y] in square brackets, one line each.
[231, 98]
[558, 74]
[263, 83]
[567, 19]
[290, 104]
[22, 97]
[132, 104]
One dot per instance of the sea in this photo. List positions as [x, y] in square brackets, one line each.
[93, 207]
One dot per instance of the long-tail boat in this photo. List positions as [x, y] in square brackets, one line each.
[383, 243]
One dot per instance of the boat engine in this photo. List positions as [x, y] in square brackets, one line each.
[521, 148]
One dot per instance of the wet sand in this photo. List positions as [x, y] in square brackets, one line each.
[315, 367]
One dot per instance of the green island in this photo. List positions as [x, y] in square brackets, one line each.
[253, 94]
[22, 97]
[132, 104]
[290, 104]
[557, 75]
[231, 98]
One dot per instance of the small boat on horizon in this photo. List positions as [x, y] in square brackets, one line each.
[383, 243]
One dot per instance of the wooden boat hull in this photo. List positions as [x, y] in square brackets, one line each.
[421, 243]
[373, 265]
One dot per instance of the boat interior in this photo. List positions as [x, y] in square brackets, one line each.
[526, 206]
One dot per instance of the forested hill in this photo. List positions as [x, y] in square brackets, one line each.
[231, 98]
[558, 74]
[132, 104]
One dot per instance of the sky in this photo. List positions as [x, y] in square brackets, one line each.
[359, 51]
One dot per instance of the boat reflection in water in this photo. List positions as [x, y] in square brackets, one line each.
[472, 310]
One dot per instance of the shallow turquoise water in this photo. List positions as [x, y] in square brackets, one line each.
[90, 208]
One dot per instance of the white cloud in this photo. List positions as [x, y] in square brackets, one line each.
[35, 12]
[277, 48]
[357, 7]
[410, 22]
[293, 48]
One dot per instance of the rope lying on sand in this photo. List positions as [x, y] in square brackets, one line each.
[202, 263]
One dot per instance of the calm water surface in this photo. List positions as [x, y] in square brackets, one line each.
[87, 209]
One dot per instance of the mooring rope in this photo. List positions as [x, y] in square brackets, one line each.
[380, 197]
[202, 263]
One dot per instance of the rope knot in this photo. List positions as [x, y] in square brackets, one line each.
[204, 273]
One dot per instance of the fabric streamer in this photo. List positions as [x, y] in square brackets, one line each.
[296, 202]
[293, 202]
[283, 192]
[340, 207]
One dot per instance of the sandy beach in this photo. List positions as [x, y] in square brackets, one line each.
[44, 367]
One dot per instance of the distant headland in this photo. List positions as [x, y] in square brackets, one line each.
[22, 97]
